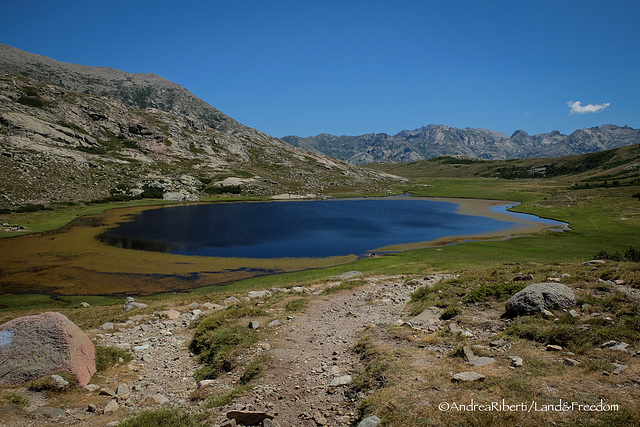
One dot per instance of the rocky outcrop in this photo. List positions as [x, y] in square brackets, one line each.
[440, 140]
[34, 346]
[540, 296]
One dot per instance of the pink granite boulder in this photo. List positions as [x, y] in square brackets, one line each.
[34, 346]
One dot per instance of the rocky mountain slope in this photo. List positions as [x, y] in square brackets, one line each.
[73, 133]
[440, 140]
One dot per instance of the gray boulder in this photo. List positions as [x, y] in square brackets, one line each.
[540, 296]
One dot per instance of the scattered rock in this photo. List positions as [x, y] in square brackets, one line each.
[249, 418]
[534, 298]
[108, 326]
[429, 317]
[130, 304]
[84, 304]
[618, 368]
[106, 391]
[123, 391]
[92, 408]
[571, 362]
[35, 346]
[254, 325]
[231, 301]
[594, 262]
[273, 323]
[171, 314]
[340, 381]
[160, 399]
[92, 387]
[111, 407]
[620, 347]
[371, 421]
[516, 361]
[574, 314]
[483, 361]
[346, 276]
[59, 382]
[551, 347]
[258, 294]
[468, 376]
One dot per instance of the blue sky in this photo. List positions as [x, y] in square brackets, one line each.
[352, 67]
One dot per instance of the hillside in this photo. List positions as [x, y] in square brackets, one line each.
[611, 168]
[440, 140]
[72, 133]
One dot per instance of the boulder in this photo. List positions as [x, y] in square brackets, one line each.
[540, 296]
[371, 421]
[34, 346]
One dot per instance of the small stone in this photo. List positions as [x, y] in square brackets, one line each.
[139, 348]
[123, 391]
[483, 361]
[92, 408]
[147, 358]
[229, 423]
[108, 326]
[609, 344]
[551, 347]
[111, 407]
[273, 323]
[571, 362]
[59, 382]
[231, 301]
[194, 305]
[516, 361]
[371, 421]
[206, 383]
[248, 418]
[342, 380]
[546, 314]
[618, 368]
[137, 318]
[467, 377]
[574, 314]
[85, 304]
[620, 347]
[197, 312]
[171, 314]
[107, 392]
[254, 325]
[160, 399]
[92, 387]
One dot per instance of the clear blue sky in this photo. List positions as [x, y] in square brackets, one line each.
[351, 67]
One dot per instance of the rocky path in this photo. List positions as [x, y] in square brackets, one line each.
[309, 365]
[313, 361]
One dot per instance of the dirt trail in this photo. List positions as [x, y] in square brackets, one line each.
[314, 355]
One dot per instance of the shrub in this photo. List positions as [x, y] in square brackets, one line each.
[224, 189]
[498, 291]
[163, 417]
[47, 384]
[107, 356]
[295, 304]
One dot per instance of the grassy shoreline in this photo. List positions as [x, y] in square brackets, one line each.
[75, 257]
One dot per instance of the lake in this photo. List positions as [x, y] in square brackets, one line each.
[310, 228]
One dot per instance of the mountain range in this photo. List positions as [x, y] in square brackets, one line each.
[72, 133]
[440, 140]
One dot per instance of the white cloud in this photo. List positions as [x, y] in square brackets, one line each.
[578, 108]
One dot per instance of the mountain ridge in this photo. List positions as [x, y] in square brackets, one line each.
[440, 140]
[73, 133]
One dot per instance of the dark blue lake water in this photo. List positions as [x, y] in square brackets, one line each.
[317, 228]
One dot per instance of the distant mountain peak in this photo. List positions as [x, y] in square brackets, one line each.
[437, 140]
